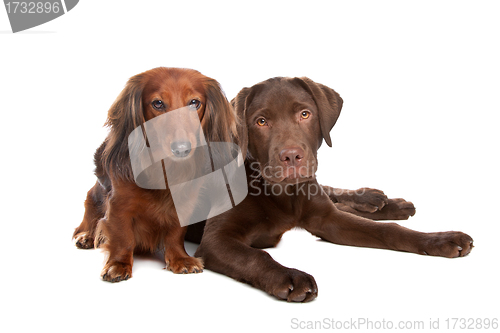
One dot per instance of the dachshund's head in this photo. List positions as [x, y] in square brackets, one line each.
[158, 92]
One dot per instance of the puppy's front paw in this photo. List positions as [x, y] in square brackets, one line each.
[397, 209]
[451, 244]
[116, 272]
[366, 199]
[293, 285]
[185, 265]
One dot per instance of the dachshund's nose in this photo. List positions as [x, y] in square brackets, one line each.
[181, 148]
[291, 156]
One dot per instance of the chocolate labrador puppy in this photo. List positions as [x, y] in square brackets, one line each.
[283, 123]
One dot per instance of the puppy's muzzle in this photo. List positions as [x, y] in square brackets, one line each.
[291, 157]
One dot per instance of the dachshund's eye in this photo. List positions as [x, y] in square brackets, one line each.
[158, 104]
[194, 103]
[262, 121]
[305, 114]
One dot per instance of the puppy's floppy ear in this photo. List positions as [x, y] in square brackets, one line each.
[219, 120]
[124, 116]
[240, 104]
[328, 102]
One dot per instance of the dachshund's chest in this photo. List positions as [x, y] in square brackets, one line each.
[159, 208]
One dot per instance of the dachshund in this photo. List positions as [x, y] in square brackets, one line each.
[124, 218]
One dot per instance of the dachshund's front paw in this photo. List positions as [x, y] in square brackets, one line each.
[84, 241]
[184, 265]
[116, 272]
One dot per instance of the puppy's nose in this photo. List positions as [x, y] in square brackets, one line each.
[181, 148]
[291, 156]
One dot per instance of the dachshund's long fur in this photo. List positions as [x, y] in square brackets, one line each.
[124, 218]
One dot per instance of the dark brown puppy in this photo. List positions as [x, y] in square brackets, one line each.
[284, 121]
[123, 217]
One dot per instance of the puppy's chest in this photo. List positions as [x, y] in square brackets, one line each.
[290, 207]
[282, 217]
[285, 213]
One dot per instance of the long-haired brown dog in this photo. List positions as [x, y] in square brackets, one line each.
[124, 218]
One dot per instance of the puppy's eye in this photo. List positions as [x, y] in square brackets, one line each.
[261, 121]
[158, 104]
[195, 104]
[305, 114]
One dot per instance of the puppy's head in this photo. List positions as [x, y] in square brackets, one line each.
[157, 92]
[283, 122]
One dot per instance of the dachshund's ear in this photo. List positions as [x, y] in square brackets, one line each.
[219, 120]
[240, 104]
[328, 103]
[126, 112]
[124, 116]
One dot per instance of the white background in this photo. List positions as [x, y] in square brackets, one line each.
[420, 83]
